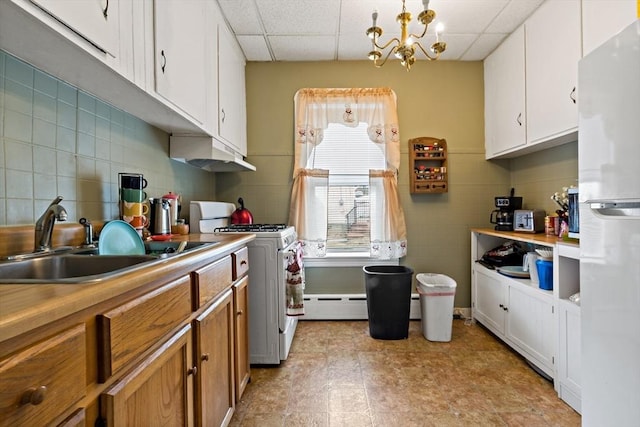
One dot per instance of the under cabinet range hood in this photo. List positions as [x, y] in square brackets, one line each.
[207, 153]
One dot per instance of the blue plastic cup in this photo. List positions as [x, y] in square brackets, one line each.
[545, 274]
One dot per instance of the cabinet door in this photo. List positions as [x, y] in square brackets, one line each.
[214, 358]
[241, 306]
[489, 300]
[232, 121]
[42, 381]
[124, 332]
[569, 353]
[553, 50]
[181, 54]
[531, 324]
[158, 391]
[94, 20]
[602, 19]
[504, 96]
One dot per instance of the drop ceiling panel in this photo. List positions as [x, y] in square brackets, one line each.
[482, 47]
[319, 30]
[300, 16]
[468, 16]
[513, 15]
[255, 47]
[242, 16]
[303, 48]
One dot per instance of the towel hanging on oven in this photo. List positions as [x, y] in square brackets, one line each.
[295, 282]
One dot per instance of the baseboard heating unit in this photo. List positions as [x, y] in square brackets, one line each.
[345, 307]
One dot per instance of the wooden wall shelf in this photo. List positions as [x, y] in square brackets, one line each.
[428, 165]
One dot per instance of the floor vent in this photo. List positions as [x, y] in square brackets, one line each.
[345, 307]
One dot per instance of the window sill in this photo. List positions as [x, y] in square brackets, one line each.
[347, 259]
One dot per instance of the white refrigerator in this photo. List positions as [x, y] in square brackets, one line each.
[609, 195]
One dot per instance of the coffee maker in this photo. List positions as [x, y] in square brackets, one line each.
[502, 217]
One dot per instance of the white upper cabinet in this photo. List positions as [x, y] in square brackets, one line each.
[533, 74]
[180, 55]
[97, 21]
[504, 97]
[553, 50]
[602, 19]
[232, 116]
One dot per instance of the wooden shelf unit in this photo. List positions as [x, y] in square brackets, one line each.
[428, 165]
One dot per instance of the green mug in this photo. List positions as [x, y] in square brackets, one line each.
[132, 195]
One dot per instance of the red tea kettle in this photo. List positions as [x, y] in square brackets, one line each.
[241, 215]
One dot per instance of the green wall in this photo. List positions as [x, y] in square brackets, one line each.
[440, 99]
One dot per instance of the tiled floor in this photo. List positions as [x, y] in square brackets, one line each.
[337, 375]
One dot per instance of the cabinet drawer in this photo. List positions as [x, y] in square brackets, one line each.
[77, 419]
[128, 330]
[43, 380]
[209, 281]
[240, 263]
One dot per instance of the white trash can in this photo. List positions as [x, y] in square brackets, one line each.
[437, 292]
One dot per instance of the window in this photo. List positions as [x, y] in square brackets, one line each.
[348, 154]
[345, 194]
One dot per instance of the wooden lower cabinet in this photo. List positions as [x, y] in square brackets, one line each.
[173, 355]
[158, 391]
[214, 341]
[44, 380]
[241, 309]
[77, 419]
[131, 328]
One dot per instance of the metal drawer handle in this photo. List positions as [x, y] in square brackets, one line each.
[164, 60]
[243, 262]
[34, 396]
[519, 119]
[105, 10]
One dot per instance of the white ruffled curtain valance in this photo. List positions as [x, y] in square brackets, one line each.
[315, 109]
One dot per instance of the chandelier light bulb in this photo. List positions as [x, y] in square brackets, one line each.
[439, 30]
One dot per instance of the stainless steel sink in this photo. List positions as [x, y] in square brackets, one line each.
[69, 268]
[159, 248]
[83, 265]
[156, 248]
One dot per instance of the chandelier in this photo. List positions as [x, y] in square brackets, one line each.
[405, 47]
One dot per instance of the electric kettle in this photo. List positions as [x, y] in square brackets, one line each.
[160, 216]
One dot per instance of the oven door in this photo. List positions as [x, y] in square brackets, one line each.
[286, 324]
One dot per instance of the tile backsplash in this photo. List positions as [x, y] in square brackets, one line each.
[56, 139]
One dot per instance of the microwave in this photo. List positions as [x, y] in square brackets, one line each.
[573, 213]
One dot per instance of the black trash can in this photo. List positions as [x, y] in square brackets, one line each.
[388, 300]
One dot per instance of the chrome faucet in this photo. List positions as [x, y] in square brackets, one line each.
[44, 225]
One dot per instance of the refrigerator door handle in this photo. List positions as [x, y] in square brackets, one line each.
[618, 209]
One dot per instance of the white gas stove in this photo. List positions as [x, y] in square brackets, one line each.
[271, 330]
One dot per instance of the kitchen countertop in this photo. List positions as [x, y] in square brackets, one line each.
[24, 307]
[535, 238]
